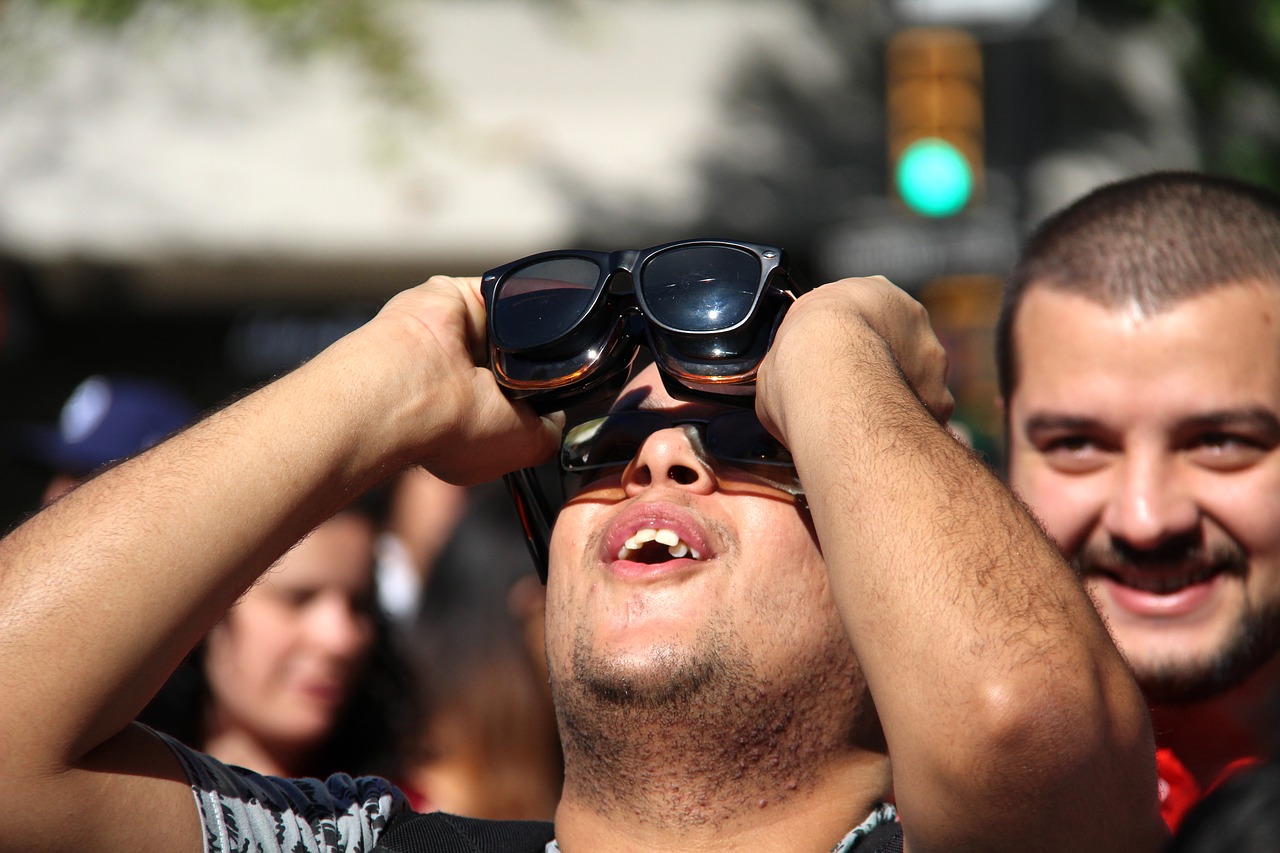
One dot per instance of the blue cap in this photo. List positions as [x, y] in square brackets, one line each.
[107, 418]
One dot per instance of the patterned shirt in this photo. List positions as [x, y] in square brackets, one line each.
[246, 812]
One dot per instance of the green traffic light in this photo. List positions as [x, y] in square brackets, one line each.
[934, 178]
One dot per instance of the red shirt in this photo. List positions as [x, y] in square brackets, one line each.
[1178, 788]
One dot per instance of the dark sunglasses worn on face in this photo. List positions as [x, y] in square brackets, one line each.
[606, 445]
[565, 328]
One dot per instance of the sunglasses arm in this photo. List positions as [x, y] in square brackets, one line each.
[536, 517]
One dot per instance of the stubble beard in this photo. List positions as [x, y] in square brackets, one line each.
[1176, 678]
[1254, 642]
[696, 736]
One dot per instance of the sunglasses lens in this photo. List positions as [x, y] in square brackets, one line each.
[740, 438]
[700, 288]
[540, 302]
[608, 442]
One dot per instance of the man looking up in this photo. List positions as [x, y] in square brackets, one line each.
[1139, 362]
[749, 690]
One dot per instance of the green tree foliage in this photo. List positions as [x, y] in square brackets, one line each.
[1233, 77]
[364, 31]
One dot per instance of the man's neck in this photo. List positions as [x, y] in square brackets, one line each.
[670, 815]
[1208, 736]
[764, 775]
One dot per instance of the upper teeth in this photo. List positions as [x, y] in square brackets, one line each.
[676, 546]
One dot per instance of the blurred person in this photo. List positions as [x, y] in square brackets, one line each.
[299, 678]
[1139, 361]
[422, 513]
[1242, 815]
[778, 629]
[106, 418]
[488, 745]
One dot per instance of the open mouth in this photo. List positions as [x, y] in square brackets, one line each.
[656, 545]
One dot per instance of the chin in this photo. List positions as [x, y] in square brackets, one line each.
[1216, 668]
[651, 667]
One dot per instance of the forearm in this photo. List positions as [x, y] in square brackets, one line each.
[1001, 696]
[103, 592]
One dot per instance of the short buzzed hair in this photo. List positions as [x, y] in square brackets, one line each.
[1150, 241]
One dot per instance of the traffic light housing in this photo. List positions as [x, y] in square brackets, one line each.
[934, 109]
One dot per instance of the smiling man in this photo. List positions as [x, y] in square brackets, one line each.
[1139, 354]
[735, 664]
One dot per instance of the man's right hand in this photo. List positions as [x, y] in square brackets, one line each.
[445, 410]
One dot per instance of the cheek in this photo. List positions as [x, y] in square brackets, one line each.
[794, 574]
[1247, 507]
[1067, 506]
[242, 651]
[225, 664]
[569, 547]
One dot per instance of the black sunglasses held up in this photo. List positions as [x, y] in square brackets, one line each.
[565, 326]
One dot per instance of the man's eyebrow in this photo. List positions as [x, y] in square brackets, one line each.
[1060, 421]
[1254, 418]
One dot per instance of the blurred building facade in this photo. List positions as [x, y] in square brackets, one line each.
[181, 195]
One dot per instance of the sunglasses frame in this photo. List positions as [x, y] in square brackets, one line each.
[701, 439]
[620, 278]
[537, 515]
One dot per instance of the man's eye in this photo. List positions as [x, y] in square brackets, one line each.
[1073, 454]
[764, 449]
[1226, 451]
[612, 450]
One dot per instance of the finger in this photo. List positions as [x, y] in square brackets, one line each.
[477, 317]
[466, 293]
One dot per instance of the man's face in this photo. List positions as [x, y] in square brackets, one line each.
[1147, 445]
[741, 597]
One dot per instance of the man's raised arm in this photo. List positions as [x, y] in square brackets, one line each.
[1010, 718]
[104, 592]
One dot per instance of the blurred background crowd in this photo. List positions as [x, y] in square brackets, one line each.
[197, 196]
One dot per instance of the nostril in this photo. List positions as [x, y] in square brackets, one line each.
[682, 475]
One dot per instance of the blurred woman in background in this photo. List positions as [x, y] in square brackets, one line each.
[300, 677]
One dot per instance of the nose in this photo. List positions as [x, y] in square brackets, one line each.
[1150, 503]
[341, 628]
[669, 456]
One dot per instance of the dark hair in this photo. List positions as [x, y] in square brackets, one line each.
[1151, 241]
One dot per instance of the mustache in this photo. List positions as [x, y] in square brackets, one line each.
[1225, 556]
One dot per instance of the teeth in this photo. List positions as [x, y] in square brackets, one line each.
[676, 547]
[667, 537]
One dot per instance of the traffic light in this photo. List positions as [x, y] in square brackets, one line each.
[933, 102]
